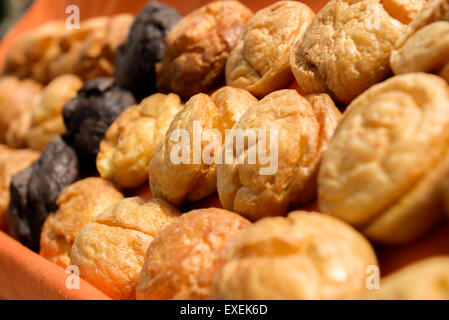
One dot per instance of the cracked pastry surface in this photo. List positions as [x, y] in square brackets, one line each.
[16, 99]
[423, 280]
[135, 66]
[260, 60]
[78, 204]
[297, 133]
[305, 256]
[110, 252]
[347, 47]
[198, 46]
[189, 173]
[424, 47]
[182, 260]
[383, 174]
[11, 162]
[131, 140]
[46, 114]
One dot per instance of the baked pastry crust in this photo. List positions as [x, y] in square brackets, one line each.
[16, 99]
[131, 140]
[78, 204]
[306, 256]
[110, 252]
[46, 114]
[11, 162]
[97, 53]
[18, 128]
[305, 127]
[260, 60]
[198, 46]
[180, 182]
[182, 260]
[383, 174]
[53, 50]
[424, 47]
[423, 280]
[70, 46]
[30, 54]
[347, 47]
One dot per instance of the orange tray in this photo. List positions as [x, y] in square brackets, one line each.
[26, 275]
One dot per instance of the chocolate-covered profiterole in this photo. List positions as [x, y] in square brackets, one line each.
[144, 47]
[88, 116]
[34, 191]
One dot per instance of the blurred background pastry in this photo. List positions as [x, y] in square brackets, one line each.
[31, 53]
[46, 114]
[424, 47]
[97, 54]
[52, 49]
[16, 98]
[12, 162]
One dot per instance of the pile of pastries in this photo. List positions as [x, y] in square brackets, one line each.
[88, 116]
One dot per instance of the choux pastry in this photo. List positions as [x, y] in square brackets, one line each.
[11, 162]
[424, 47]
[182, 260]
[185, 169]
[46, 114]
[78, 204]
[198, 47]
[385, 165]
[283, 174]
[260, 60]
[131, 140]
[306, 256]
[110, 252]
[347, 47]
[16, 99]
